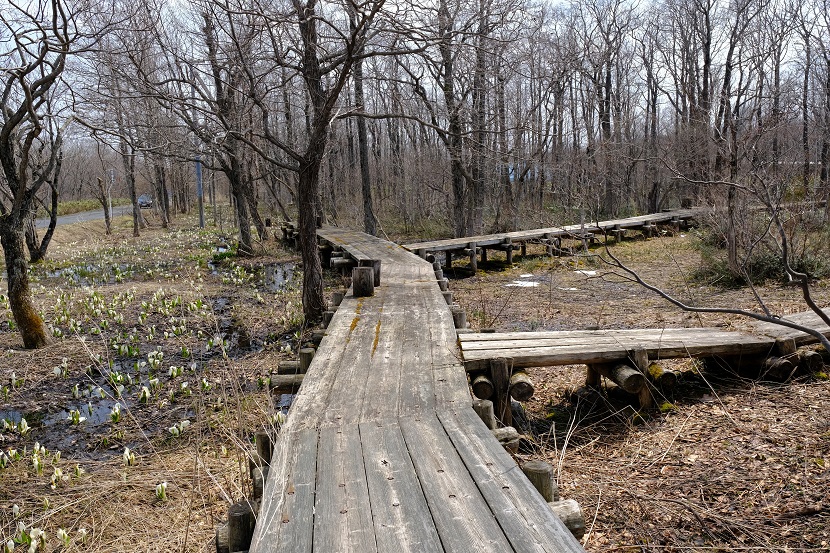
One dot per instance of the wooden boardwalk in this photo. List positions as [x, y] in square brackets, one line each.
[539, 349]
[382, 451]
[641, 222]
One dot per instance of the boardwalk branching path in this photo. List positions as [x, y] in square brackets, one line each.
[382, 450]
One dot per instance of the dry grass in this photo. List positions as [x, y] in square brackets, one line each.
[220, 323]
[725, 464]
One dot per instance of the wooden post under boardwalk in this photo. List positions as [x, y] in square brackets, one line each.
[541, 476]
[375, 265]
[241, 522]
[473, 257]
[306, 355]
[500, 369]
[363, 282]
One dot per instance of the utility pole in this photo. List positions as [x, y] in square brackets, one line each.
[199, 191]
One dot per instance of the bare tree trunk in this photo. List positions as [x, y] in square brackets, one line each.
[128, 160]
[314, 302]
[161, 192]
[104, 198]
[29, 323]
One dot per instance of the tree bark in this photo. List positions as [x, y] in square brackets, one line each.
[314, 302]
[29, 323]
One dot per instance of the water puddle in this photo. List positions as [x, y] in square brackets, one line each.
[527, 280]
[284, 403]
[276, 276]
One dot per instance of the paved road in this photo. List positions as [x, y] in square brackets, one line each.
[85, 216]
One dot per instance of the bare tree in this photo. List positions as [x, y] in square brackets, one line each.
[37, 39]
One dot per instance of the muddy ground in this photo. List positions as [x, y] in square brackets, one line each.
[180, 336]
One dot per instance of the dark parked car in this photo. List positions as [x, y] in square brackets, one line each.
[145, 201]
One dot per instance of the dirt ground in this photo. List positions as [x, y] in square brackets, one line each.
[725, 464]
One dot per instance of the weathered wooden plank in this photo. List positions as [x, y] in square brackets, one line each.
[462, 516]
[806, 318]
[609, 334]
[417, 391]
[384, 361]
[342, 512]
[286, 517]
[344, 404]
[309, 405]
[402, 520]
[655, 342]
[516, 504]
[450, 380]
[570, 355]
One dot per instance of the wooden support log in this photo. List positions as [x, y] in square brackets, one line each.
[618, 233]
[436, 266]
[592, 378]
[325, 254]
[629, 379]
[317, 336]
[571, 516]
[779, 369]
[327, 316]
[374, 264]
[448, 260]
[306, 356]
[508, 437]
[459, 317]
[258, 481]
[337, 298]
[542, 477]
[521, 386]
[664, 378]
[286, 383]
[439, 275]
[785, 347]
[264, 447]
[648, 230]
[639, 359]
[288, 367]
[500, 369]
[508, 251]
[222, 538]
[482, 387]
[811, 361]
[443, 284]
[421, 252]
[342, 263]
[430, 257]
[483, 255]
[447, 297]
[241, 520]
[473, 256]
[523, 249]
[363, 282]
[484, 409]
[675, 223]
